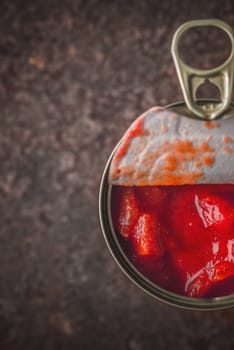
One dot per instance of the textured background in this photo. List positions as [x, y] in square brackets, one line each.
[73, 76]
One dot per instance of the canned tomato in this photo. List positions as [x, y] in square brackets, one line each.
[166, 199]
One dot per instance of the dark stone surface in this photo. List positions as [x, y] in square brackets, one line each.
[73, 76]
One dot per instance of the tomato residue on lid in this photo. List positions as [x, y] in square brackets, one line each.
[173, 168]
[208, 161]
[211, 125]
[136, 129]
[167, 152]
[227, 139]
[228, 150]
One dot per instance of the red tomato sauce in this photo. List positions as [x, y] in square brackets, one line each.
[179, 237]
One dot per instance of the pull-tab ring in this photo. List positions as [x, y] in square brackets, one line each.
[191, 78]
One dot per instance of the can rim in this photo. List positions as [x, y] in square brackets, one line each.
[161, 294]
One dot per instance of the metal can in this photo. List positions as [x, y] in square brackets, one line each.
[215, 110]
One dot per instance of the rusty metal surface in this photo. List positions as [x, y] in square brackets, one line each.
[73, 76]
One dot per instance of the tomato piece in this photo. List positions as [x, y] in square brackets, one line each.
[125, 206]
[146, 237]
